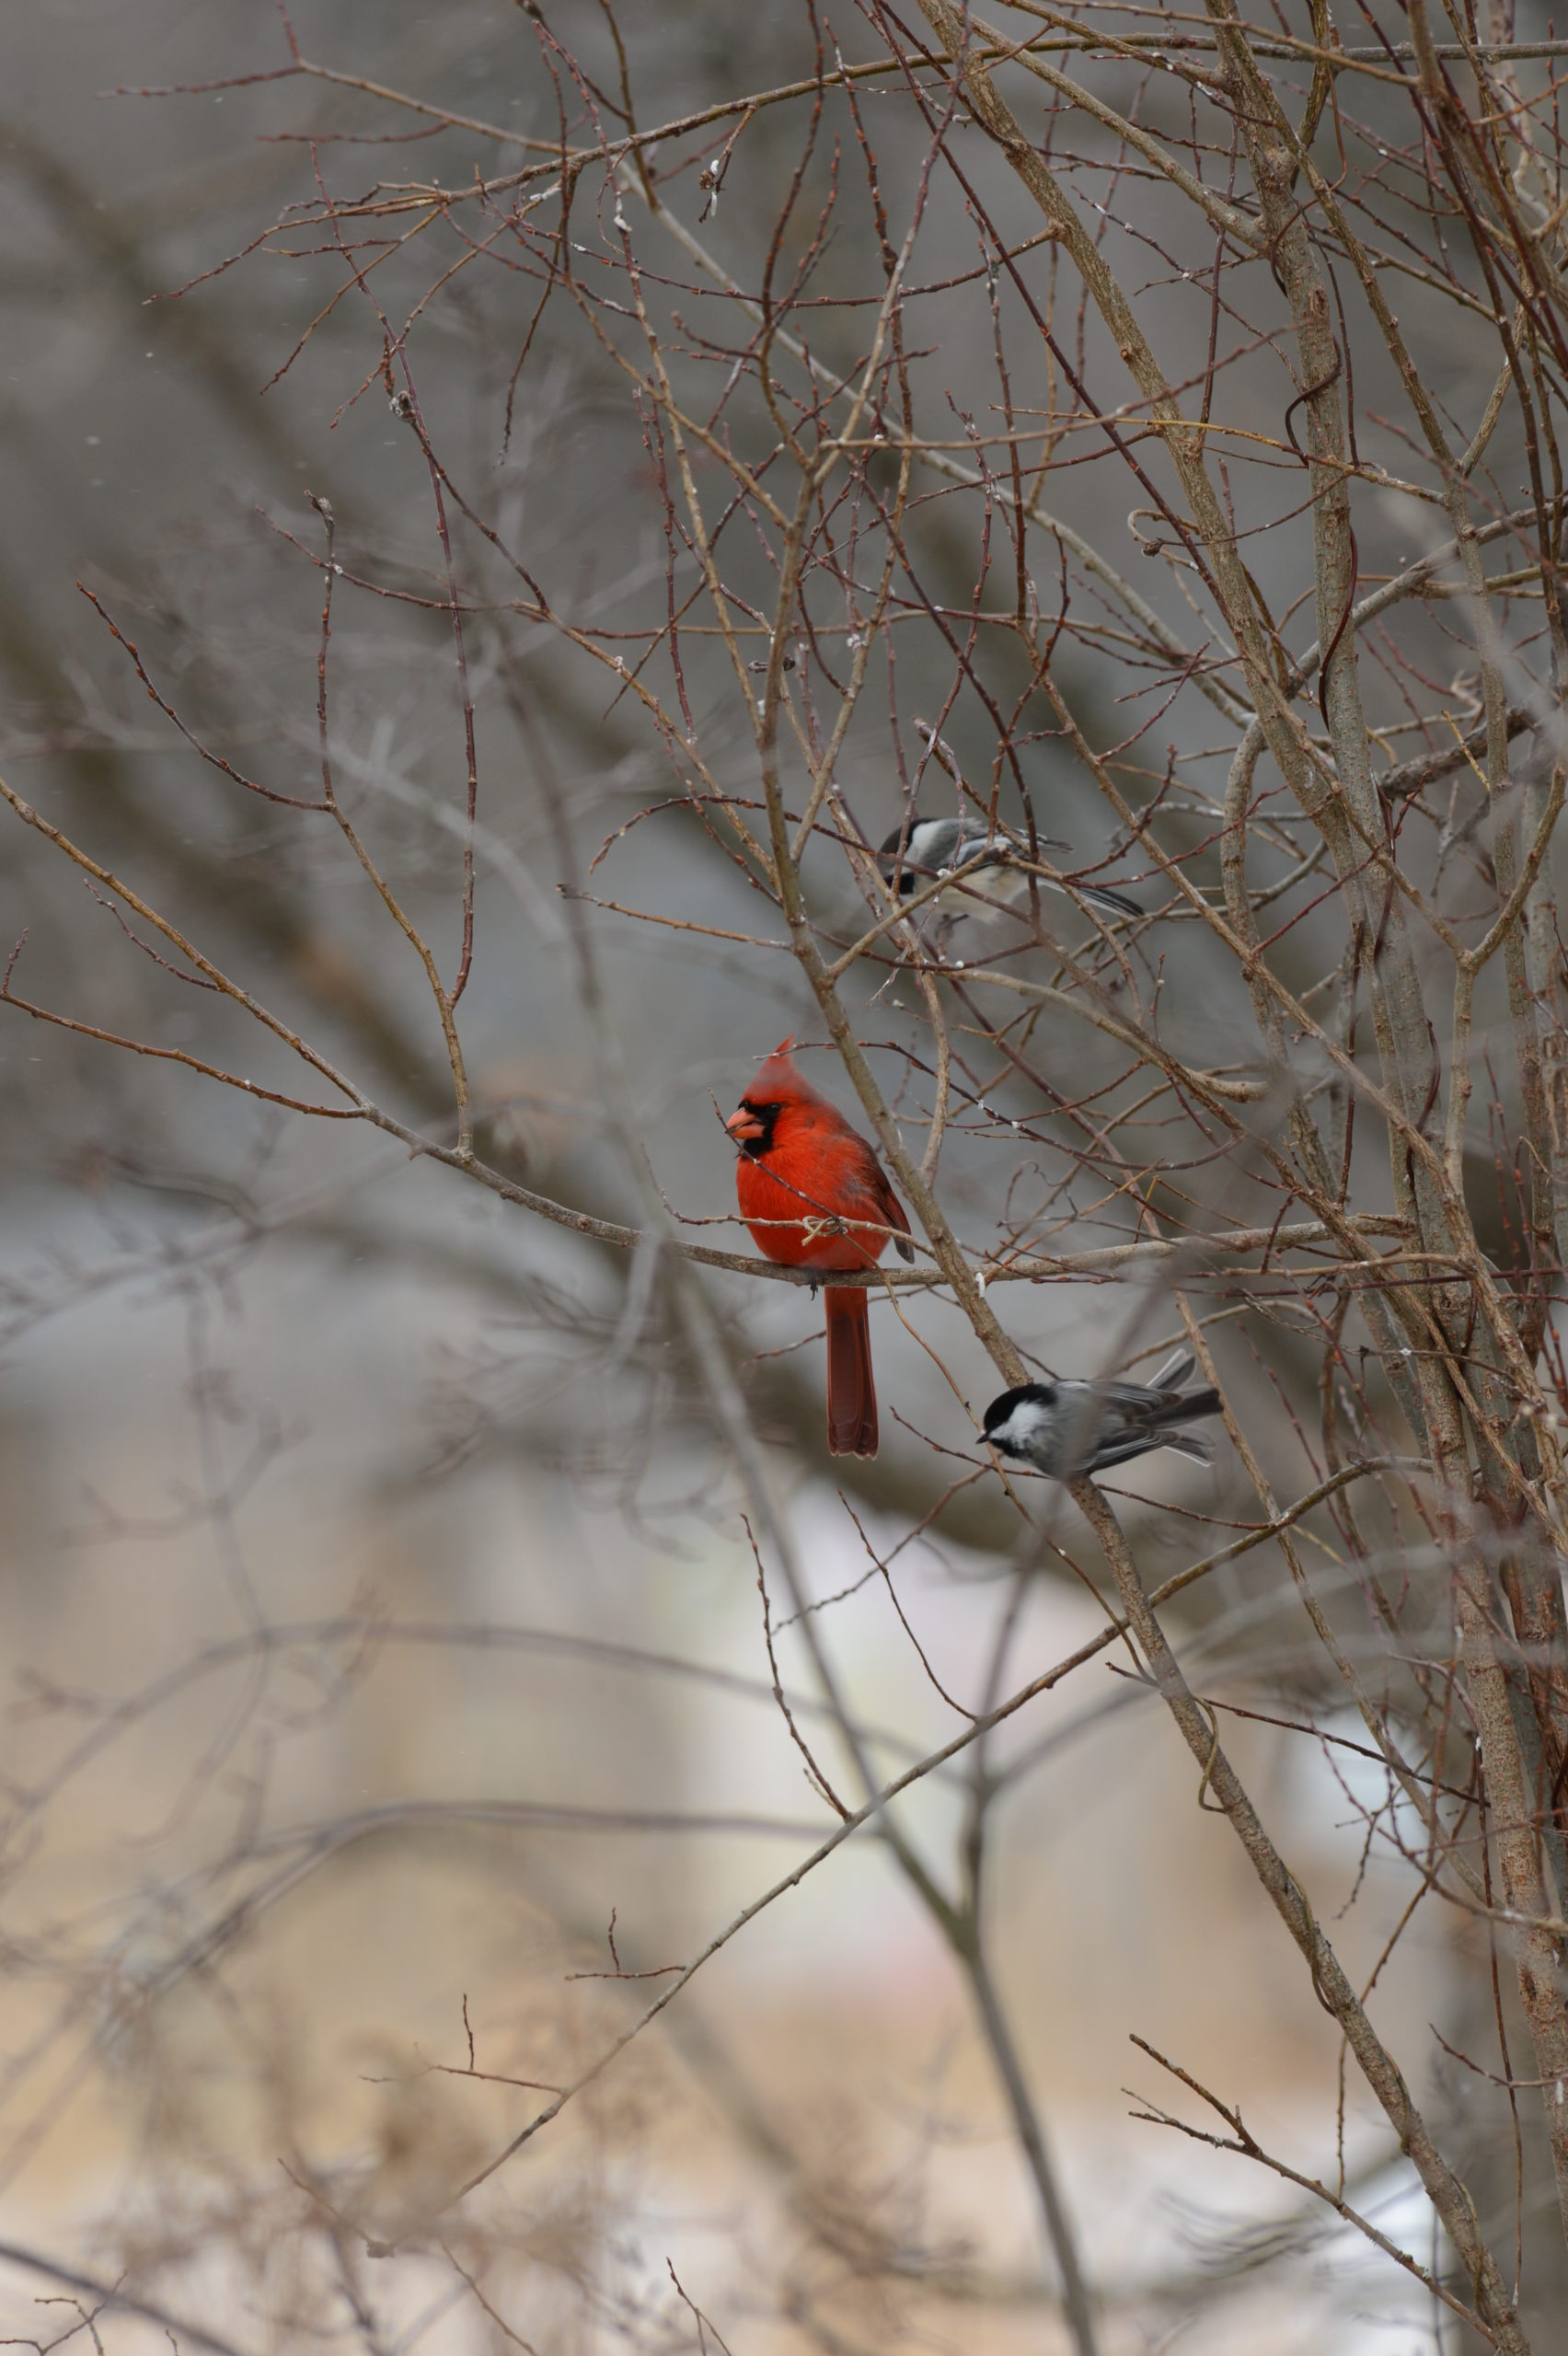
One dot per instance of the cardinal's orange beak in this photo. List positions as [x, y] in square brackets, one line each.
[742, 1123]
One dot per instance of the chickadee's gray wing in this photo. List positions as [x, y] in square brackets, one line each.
[976, 841]
[1141, 1416]
[922, 842]
[1138, 1401]
[1162, 1414]
[1005, 848]
[940, 842]
[920, 850]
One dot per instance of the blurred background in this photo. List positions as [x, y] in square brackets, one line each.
[378, 1623]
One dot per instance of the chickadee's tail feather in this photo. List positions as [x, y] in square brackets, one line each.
[1109, 903]
[1174, 1372]
[1182, 1407]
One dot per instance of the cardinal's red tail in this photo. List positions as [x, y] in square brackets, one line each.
[851, 1395]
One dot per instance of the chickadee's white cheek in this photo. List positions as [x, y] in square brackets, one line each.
[1021, 1426]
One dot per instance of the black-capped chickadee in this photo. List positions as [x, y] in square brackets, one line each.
[992, 860]
[1068, 1429]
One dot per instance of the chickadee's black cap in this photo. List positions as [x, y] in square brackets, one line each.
[1042, 1394]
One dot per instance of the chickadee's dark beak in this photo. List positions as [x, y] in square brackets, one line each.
[743, 1124]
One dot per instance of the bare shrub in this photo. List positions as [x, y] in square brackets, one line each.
[1136, 437]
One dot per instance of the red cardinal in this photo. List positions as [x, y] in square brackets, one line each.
[802, 1162]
